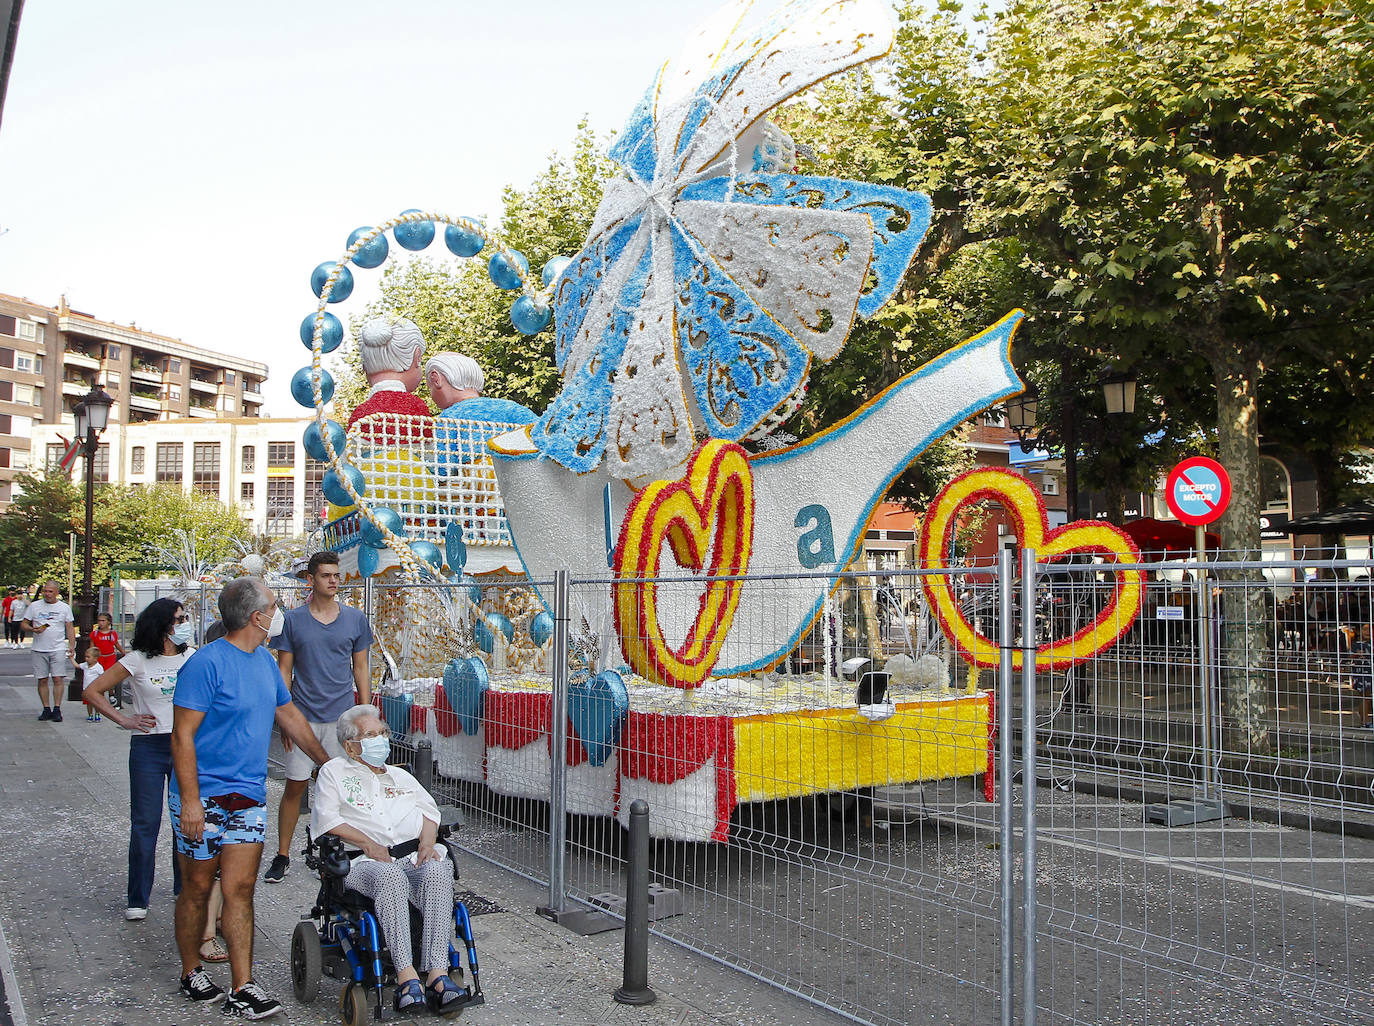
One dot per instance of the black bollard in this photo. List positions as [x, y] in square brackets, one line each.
[635, 988]
[424, 764]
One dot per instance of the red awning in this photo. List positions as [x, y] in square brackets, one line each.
[1165, 539]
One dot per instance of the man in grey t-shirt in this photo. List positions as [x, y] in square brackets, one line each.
[54, 647]
[322, 653]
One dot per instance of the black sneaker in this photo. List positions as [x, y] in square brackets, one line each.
[281, 865]
[198, 986]
[46, 714]
[57, 715]
[251, 1002]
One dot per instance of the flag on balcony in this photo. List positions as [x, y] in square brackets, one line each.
[68, 459]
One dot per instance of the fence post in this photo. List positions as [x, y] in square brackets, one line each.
[1028, 862]
[1006, 839]
[558, 771]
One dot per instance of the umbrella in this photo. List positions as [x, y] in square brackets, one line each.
[1157, 538]
[1353, 518]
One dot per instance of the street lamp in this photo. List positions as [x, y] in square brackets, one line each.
[92, 417]
[1119, 391]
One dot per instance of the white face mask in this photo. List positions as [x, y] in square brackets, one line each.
[183, 633]
[278, 622]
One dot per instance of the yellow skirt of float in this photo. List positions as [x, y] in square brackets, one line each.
[794, 754]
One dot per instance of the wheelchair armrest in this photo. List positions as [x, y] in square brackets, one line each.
[450, 820]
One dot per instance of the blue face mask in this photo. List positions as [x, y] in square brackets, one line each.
[375, 750]
[183, 633]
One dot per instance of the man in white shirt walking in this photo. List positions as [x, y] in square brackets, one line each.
[53, 627]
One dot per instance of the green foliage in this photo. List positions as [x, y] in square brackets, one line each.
[127, 523]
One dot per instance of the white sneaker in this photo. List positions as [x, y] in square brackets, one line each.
[135, 914]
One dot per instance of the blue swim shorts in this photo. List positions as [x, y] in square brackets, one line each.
[241, 826]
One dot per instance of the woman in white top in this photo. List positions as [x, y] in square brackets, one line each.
[384, 811]
[161, 644]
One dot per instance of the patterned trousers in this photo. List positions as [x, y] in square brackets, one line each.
[430, 887]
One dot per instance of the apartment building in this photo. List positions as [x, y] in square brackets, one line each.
[50, 357]
[257, 463]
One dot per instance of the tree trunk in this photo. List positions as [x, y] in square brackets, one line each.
[1245, 653]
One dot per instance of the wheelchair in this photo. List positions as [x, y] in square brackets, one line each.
[341, 938]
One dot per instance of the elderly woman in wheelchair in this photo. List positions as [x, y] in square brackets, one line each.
[391, 828]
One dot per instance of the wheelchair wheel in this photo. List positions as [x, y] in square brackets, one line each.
[305, 962]
[353, 1010]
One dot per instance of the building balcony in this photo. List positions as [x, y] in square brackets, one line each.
[74, 358]
[202, 411]
[75, 388]
[204, 386]
[249, 397]
[145, 402]
[147, 374]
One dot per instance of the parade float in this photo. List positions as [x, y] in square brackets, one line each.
[703, 544]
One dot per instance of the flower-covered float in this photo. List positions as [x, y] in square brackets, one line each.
[712, 277]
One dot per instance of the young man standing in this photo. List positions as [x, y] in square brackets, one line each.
[227, 697]
[323, 645]
[54, 645]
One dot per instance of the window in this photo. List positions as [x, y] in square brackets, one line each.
[6, 324]
[28, 330]
[169, 456]
[281, 454]
[56, 450]
[6, 427]
[249, 459]
[173, 366]
[21, 459]
[246, 493]
[228, 377]
[24, 394]
[136, 455]
[205, 468]
[174, 393]
[112, 352]
[111, 379]
[26, 364]
[1049, 485]
[7, 391]
[227, 404]
[100, 466]
[6, 358]
[315, 501]
[281, 505]
[4, 457]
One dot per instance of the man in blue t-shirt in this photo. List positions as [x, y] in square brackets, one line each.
[323, 646]
[227, 697]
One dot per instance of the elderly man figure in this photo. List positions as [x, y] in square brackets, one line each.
[227, 697]
[392, 349]
[383, 811]
[54, 647]
[456, 383]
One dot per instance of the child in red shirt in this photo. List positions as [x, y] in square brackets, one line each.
[105, 640]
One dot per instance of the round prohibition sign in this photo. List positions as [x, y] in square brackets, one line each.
[1198, 491]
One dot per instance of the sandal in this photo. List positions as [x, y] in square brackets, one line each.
[445, 996]
[410, 994]
[212, 951]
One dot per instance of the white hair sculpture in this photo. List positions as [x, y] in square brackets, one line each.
[458, 370]
[389, 344]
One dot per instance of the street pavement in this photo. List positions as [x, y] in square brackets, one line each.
[67, 955]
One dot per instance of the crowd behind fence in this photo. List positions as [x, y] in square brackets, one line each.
[1179, 832]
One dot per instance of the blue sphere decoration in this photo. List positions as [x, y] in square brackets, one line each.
[368, 560]
[556, 266]
[371, 255]
[333, 488]
[414, 235]
[313, 440]
[463, 242]
[304, 394]
[371, 534]
[503, 274]
[541, 628]
[529, 316]
[331, 333]
[427, 552]
[343, 285]
[485, 630]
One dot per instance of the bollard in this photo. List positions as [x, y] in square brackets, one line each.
[424, 764]
[634, 990]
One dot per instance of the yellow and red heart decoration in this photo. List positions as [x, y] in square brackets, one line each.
[1027, 510]
[707, 518]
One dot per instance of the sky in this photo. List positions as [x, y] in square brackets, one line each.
[184, 166]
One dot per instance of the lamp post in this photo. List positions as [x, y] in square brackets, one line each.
[92, 417]
[1118, 390]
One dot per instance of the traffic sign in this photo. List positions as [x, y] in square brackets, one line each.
[1198, 491]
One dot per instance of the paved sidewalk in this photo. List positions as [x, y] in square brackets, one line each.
[63, 843]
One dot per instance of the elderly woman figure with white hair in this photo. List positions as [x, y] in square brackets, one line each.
[384, 811]
[392, 349]
[456, 383]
